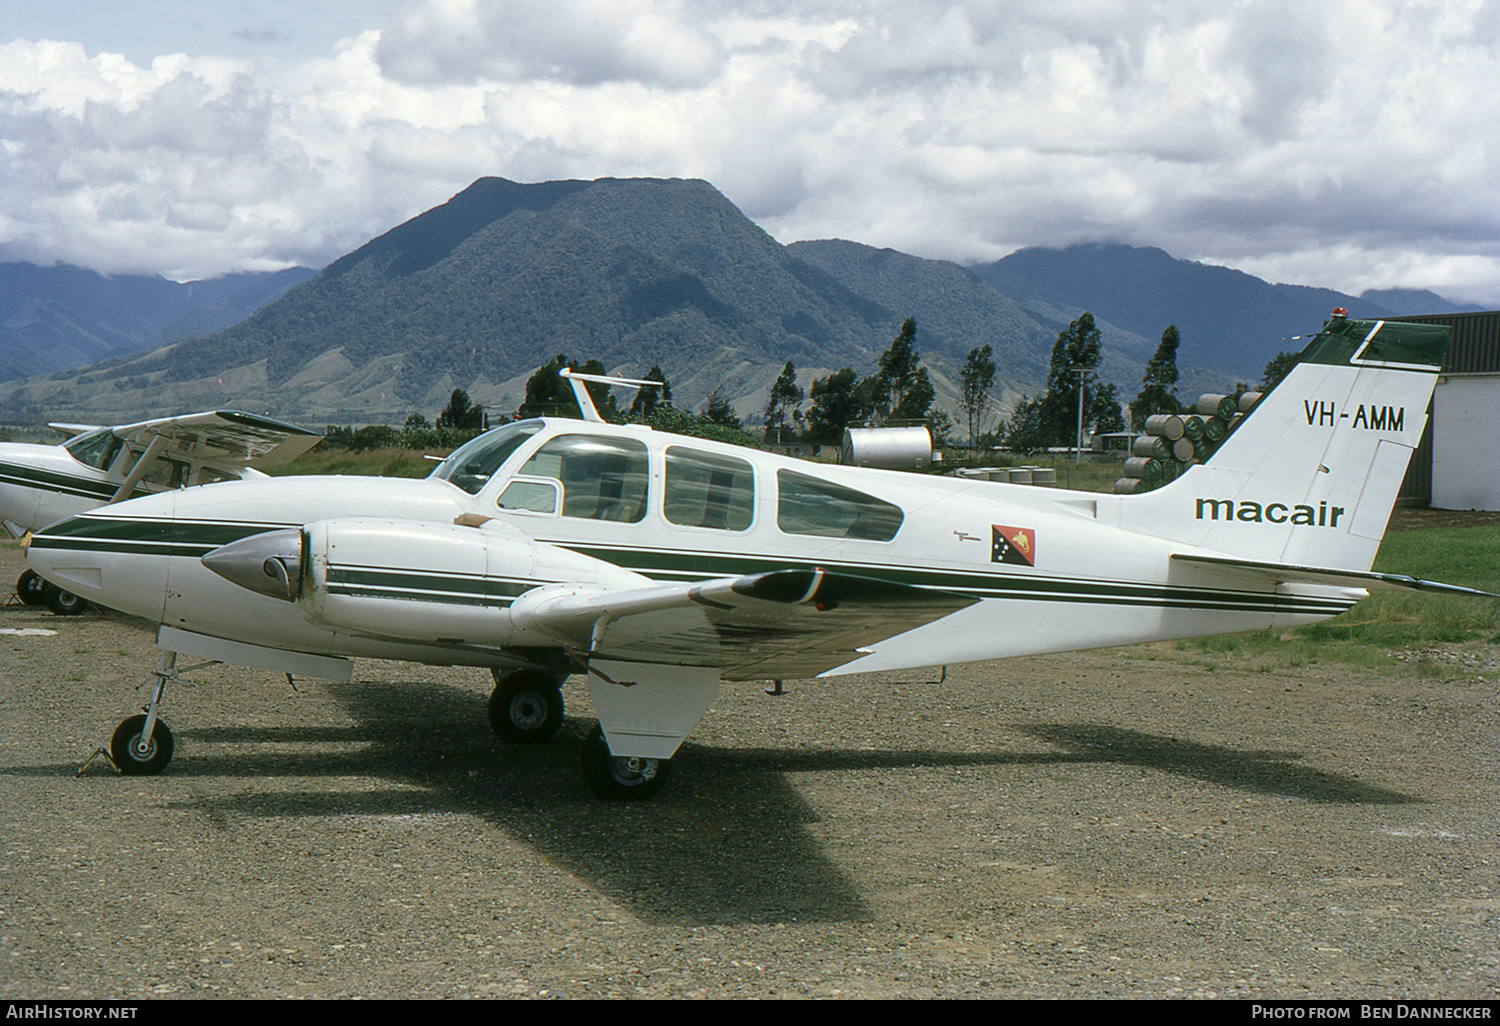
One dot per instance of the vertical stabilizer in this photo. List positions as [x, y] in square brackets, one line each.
[1311, 474]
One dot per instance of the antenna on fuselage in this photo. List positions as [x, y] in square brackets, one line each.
[581, 393]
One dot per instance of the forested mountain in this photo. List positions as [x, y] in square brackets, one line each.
[58, 318]
[958, 311]
[479, 292]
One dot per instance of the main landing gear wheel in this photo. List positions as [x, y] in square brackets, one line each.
[617, 778]
[137, 756]
[526, 707]
[30, 587]
[63, 603]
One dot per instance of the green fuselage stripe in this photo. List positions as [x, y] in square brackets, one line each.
[66, 484]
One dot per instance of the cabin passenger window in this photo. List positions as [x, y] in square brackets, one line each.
[471, 464]
[810, 505]
[162, 473]
[95, 449]
[706, 489]
[601, 478]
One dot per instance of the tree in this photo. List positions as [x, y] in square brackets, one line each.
[1280, 366]
[648, 398]
[786, 394]
[1023, 432]
[1053, 418]
[1161, 374]
[719, 411]
[460, 413]
[837, 401]
[902, 390]
[977, 376]
[549, 395]
[1103, 410]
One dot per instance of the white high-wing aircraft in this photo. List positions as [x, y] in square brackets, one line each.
[41, 484]
[661, 565]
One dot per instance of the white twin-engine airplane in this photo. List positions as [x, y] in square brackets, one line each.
[661, 565]
[96, 466]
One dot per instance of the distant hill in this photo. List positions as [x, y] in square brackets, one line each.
[58, 318]
[1226, 318]
[1411, 302]
[957, 310]
[480, 291]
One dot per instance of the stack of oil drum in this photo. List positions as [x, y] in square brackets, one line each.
[1174, 442]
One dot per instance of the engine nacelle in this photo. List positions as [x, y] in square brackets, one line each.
[412, 580]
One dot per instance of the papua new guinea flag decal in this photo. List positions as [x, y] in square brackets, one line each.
[1012, 545]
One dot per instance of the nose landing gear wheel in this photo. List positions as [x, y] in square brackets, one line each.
[30, 587]
[137, 756]
[617, 778]
[526, 707]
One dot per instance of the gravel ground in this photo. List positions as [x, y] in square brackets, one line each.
[1116, 824]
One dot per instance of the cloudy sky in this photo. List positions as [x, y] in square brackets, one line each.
[1342, 143]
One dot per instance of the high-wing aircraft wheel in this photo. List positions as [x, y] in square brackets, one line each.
[63, 603]
[526, 707]
[137, 756]
[30, 587]
[619, 779]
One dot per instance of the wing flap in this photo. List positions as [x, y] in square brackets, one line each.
[782, 624]
[1278, 573]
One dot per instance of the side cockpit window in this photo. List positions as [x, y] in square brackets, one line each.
[601, 478]
[472, 464]
[705, 489]
[810, 505]
[95, 449]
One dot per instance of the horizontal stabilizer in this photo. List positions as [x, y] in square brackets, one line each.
[1279, 573]
[787, 623]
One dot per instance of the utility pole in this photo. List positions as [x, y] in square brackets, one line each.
[1083, 373]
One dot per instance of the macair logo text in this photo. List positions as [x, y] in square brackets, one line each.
[1248, 512]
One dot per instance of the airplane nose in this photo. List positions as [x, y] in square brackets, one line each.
[269, 563]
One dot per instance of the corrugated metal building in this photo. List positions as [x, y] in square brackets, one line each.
[1457, 465]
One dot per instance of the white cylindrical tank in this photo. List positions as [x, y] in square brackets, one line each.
[893, 448]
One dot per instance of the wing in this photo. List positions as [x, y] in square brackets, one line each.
[71, 430]
[783, 624]
[224, 436]
[1277, 573]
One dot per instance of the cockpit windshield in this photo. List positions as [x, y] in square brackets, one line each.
[471, 464]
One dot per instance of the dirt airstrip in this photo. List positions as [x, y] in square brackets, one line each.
[1117, 824]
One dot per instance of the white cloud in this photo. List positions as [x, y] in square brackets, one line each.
[1343, 144]
[585, 42]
